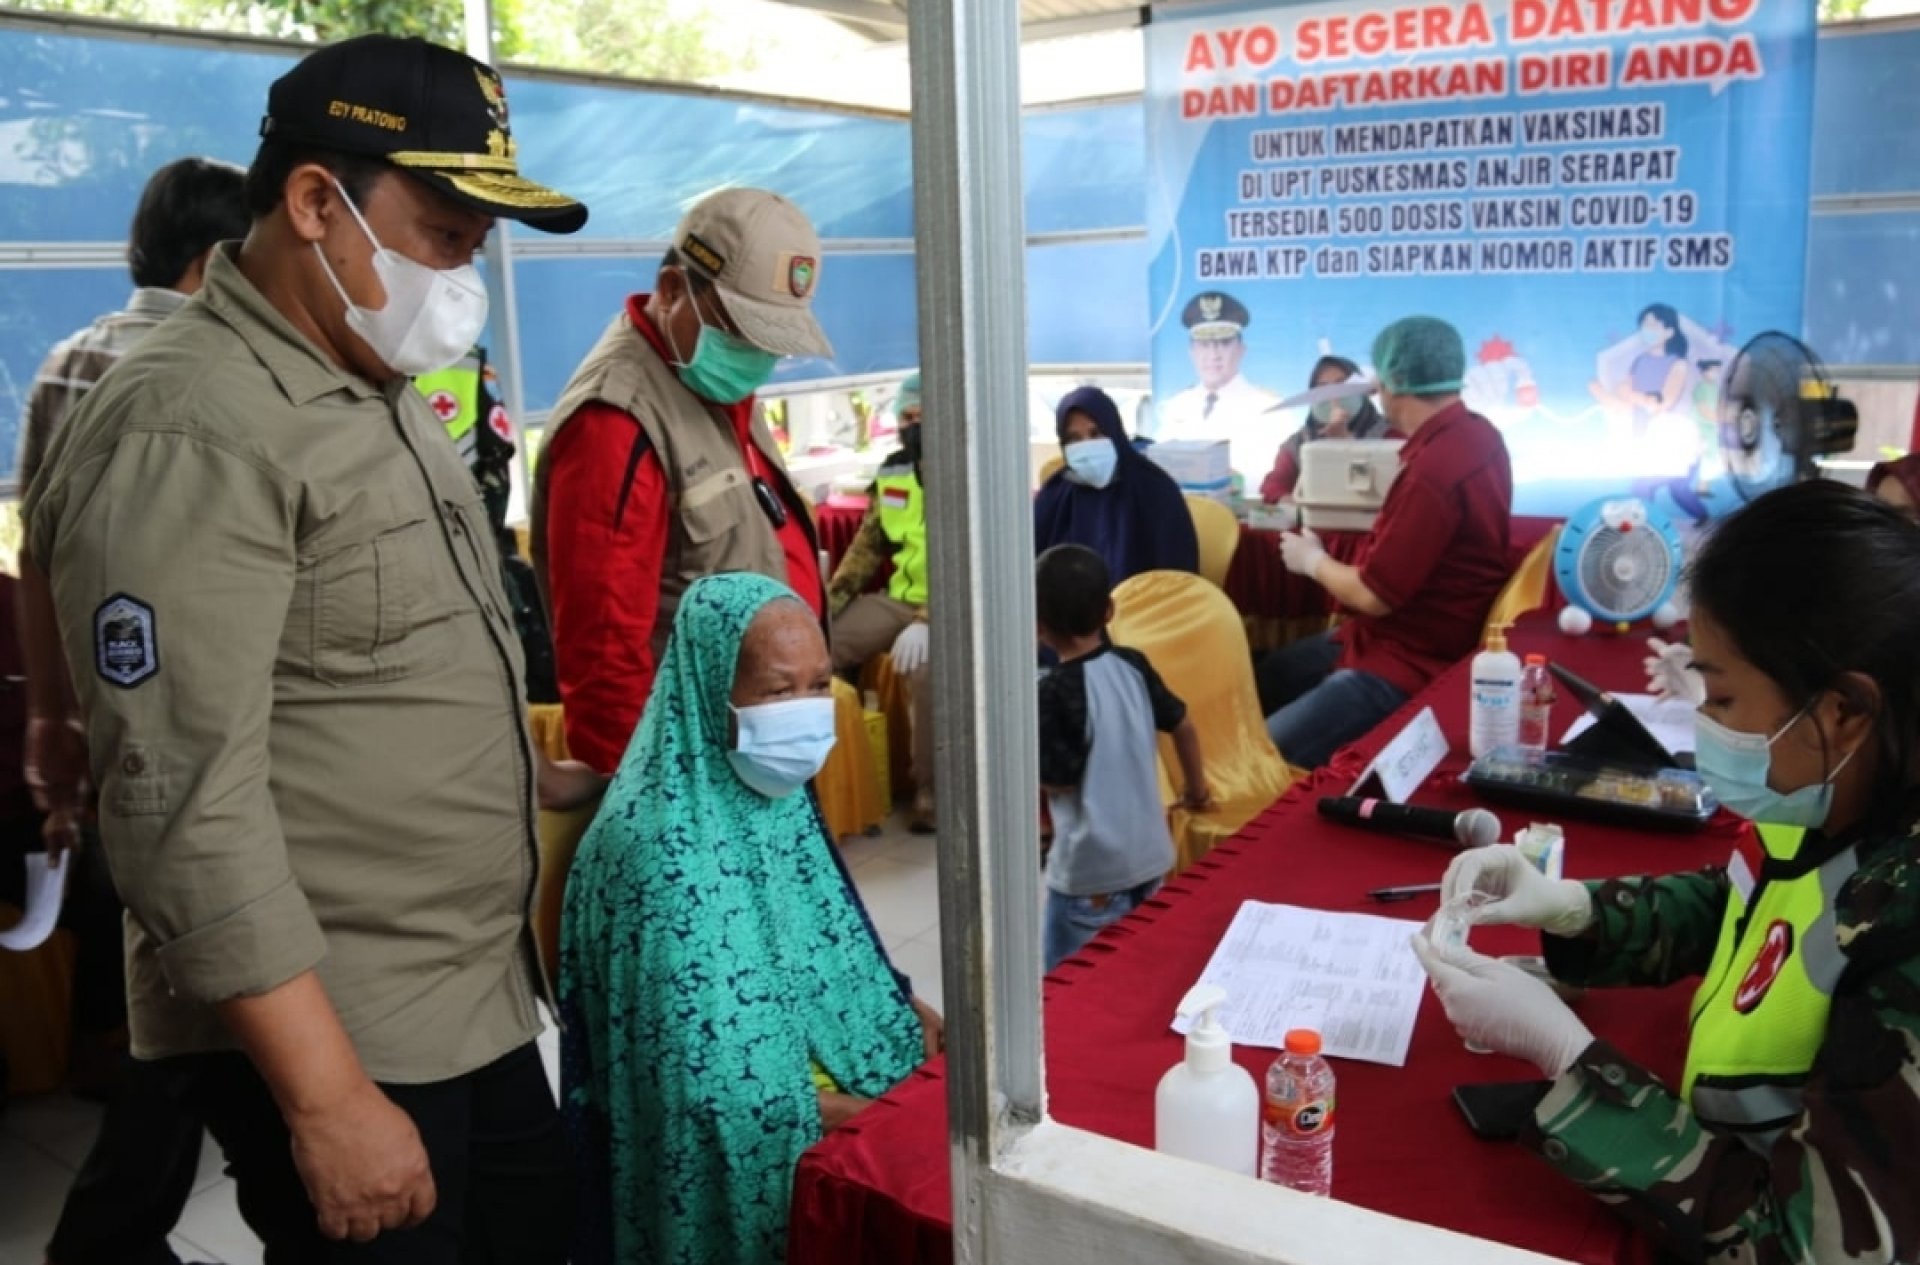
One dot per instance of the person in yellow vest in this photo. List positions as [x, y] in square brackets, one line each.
[466, 398]
[1794, 1134]
[865, 624]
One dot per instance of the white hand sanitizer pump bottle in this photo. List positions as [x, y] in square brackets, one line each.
[1493, 720]
[1207, 1107]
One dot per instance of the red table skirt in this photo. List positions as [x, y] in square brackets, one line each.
[1280, 606]
[837, 526]
[876, 1190]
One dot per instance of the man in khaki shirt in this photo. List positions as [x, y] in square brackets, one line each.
[302, 685]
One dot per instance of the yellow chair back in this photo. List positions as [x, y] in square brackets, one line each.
[1219, 534]
[849, 789]
[560, 835]
[548, 725]
[1193, 635]
[1526, 589]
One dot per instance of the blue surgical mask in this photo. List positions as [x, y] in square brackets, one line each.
[1735, 766]
[1092, 461]
[779, 747]
[1654, 337]
[724, 368]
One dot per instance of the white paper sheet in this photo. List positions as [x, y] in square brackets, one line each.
[46, 887]
[1351, 977]
[1668, 719]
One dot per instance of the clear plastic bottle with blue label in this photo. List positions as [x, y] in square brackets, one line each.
[1296, 1121]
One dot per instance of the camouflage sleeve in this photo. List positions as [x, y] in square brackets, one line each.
[862, 561]
[1836, 1185]
[1645, 932]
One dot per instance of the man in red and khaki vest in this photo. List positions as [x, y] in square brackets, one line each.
[657, 468]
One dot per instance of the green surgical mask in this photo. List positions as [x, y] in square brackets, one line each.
[724, 368]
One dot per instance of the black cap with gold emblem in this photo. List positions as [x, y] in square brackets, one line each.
[438, 114]
[1214, 316]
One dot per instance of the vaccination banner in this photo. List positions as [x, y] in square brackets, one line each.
[1606, 197]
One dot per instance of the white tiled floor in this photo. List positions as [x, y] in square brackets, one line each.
[44, 1139]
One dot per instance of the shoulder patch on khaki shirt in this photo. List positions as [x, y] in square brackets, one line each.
[126, 647]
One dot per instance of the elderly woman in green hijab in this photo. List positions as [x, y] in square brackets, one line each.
[725, 997]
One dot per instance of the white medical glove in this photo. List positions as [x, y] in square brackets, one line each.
[1521, 893]
[1302, 552]
[1497, 1006]
[1670, 672]
[910, 649]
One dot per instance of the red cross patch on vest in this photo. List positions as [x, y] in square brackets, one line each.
[1766, 968]
[445, 405]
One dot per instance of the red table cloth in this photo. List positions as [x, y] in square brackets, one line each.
[1280, 606]
[837, 525]
[876, 1190]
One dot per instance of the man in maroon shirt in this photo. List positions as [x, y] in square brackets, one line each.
[657, 467]
[1419, 593]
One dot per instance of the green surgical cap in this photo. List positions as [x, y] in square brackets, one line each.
[909, 396]
[1420, 355]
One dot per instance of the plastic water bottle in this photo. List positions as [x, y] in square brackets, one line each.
[1296, 1125]
[1536, 703]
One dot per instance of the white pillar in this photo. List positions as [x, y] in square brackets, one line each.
[969, 237]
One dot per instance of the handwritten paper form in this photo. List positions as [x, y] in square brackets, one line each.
[1351, 977]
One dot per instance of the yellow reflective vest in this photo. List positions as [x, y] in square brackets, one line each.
[903, 516]
[453, 394]
[1760, 1014]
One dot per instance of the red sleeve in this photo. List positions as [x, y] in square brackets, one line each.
[1407, 546]
[1280, 480]
[603, 576]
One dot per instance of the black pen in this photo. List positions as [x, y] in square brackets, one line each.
[1387, 894]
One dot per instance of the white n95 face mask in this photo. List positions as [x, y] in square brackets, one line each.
[432, 317]
[781, 745]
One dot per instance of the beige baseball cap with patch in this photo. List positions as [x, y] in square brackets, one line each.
[764, 258]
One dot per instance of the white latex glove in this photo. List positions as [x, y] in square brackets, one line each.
[1497, 1006]
[910, 649]
[1302, 552]
[1521, 893]
[1670, 672]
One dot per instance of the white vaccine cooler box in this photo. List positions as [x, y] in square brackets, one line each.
[1343, 482]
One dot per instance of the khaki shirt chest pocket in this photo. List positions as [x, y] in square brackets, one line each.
[362, 608]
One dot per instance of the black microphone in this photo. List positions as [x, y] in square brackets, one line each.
[1474, 828]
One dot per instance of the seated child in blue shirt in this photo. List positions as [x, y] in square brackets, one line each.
[1100, 711]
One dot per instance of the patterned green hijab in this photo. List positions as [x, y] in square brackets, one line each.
[710, 951]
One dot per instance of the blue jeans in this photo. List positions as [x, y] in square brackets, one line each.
[1319, 710]
[1071, 921]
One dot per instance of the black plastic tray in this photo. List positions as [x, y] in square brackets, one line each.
[1576, 786]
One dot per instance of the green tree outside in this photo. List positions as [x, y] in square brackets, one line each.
[647, 39]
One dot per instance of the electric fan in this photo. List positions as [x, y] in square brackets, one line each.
[1778, 411]
[1618, 559]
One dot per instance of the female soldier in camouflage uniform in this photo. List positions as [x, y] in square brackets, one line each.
[1794, 1135]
